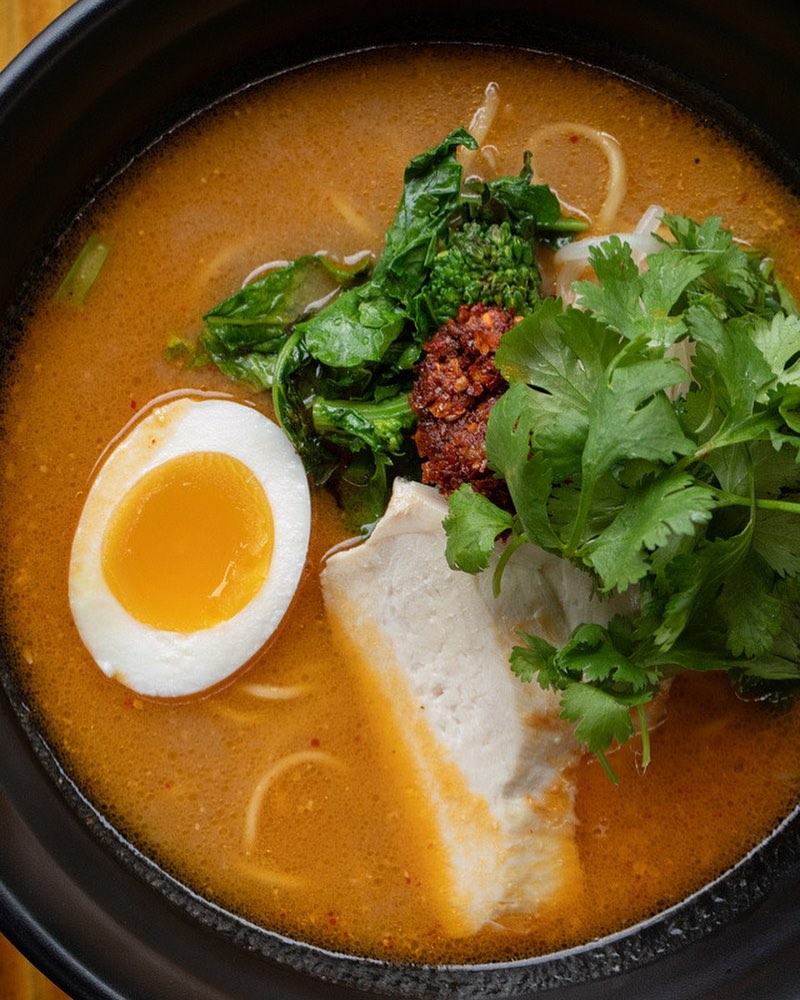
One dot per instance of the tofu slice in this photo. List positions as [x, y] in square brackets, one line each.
[493, 757]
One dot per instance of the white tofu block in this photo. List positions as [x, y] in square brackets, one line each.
[493, 756]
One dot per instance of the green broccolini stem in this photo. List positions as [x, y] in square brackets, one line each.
[362, 423]
[326, 410]
[84, 270]
[566, 225]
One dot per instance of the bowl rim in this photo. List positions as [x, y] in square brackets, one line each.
[781, 850]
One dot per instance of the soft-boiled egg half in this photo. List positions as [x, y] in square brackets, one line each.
[190, 546]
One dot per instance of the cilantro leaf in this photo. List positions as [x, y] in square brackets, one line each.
[696, 578]
[668, 504]
[526, 470]
[599, 683]
[472, 524]
[776, 539]
[635, 303]
[601, 717]
[629, 417]
[732, 275]
[778, 339]
[563, 358]
[748, 607]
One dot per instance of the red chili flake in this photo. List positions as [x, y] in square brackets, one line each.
[168, 785]
[315, 742]
[574, 138]
[133, 404]
[332, 918]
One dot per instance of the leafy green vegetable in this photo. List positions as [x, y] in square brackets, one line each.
[532, 209]
[337, 346]
[244, 334]
[692, 496]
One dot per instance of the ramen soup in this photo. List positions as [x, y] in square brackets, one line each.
[298, 792]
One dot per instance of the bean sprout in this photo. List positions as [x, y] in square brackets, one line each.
[276, 692]
[274, 878]
[482, 121]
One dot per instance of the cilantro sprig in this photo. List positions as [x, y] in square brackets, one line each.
[691, 495]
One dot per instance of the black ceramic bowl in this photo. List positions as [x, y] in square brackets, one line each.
[96, 87]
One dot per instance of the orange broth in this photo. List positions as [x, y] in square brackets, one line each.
[346, 856]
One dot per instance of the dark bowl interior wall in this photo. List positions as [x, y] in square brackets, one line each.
[96, 88]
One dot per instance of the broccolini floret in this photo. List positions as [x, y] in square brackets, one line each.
[482, 262]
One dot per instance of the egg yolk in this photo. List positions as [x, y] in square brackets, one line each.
[190, 544]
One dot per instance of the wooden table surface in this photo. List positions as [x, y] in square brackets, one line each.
[20, 20]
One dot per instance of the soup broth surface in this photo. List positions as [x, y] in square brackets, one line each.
[346, 856]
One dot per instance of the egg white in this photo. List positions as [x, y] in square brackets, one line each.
[165, 663]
